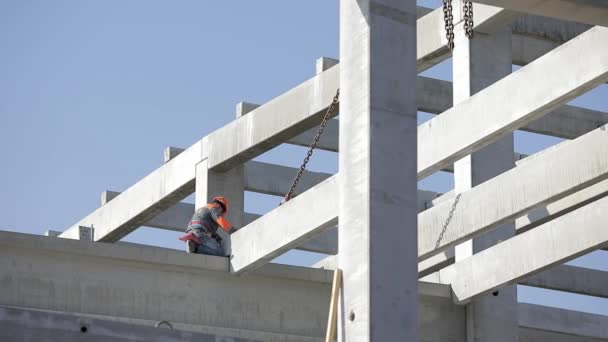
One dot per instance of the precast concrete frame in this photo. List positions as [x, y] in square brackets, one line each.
[417, 265]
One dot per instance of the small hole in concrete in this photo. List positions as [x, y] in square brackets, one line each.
[83, 329]
[351, 316]
[495, 293]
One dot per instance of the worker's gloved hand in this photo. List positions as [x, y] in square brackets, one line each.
[217, 238]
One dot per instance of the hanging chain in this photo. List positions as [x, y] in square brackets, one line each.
[312, 147]
[448, 19]
[468, 19]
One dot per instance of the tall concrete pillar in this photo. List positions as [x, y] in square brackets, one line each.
[377, 209]
[229, 184]
[478, 63]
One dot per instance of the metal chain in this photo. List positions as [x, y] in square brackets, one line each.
[447, 221]
[448, 19]
[468, 19]
[312, 147]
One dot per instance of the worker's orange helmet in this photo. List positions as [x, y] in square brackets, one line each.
[222, 200]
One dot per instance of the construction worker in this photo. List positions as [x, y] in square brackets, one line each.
[201, 236]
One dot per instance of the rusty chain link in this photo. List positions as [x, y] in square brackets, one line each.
[448, 19]
[312, 147]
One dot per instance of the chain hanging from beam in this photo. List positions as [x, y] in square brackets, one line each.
[313, 145]
[448, 18]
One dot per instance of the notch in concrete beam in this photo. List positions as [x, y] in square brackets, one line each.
[243, 108]
[52, 233]
[171, 152]
[325, 63]
[86, 233]
[107, 196]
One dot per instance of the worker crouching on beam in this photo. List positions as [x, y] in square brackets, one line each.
[201, 236]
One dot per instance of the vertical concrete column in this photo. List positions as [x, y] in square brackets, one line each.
[478, 63]
[229, 184]
[377, 207]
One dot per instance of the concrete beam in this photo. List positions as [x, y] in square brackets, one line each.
[560, 207]
[592, 12]
[171, 152]
[273, 123]
[144, 285]
[572, 279]
[272, 179]
[507, 263]
[568, 322]
[284, 227]
[157, 284]
[19, 324]
[551, 175]
[533, 335]
[155, 193]
[445, 139]
[432, 43]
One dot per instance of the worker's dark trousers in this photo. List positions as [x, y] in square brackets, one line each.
[209, 245]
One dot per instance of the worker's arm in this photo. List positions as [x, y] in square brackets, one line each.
[221, 220]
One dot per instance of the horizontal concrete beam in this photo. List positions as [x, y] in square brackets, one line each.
[533, 335]
[275, 303]
[447, 138]
[555, 173]
[592, 12]
[157, 284]
[569, 322]
[563, 239]
[43, 325]
[432, 42]
[272, 179]
[283, 228]
[572, 279]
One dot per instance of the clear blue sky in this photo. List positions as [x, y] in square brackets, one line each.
[92, 91]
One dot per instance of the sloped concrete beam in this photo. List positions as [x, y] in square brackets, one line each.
[573, 323]
[445, 139]
[273, 123]
[553, 174]
[507, 263]
[281, 229]
[272, 179]
[592, 12]
[571, 279]
[563, 206]
[155, 193]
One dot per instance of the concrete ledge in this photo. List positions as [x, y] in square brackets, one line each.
[568, 322]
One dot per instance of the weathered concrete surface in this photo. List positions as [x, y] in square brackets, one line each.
[160, 284]
[378, 187]
[276, 180]
[273, 123]
[533, 335]
[555, 173]
[452, 139]
[477, 64]
[592, 12]
[281, 229]
[571, 279]
[508, 263]
[156, 192]
[563, 321]
[171, 152]
[25, 325]
[563, 206]
[432, 43]
[193, 292]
